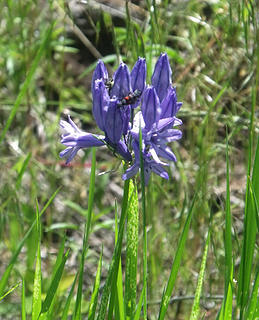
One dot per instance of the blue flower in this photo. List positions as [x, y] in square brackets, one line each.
[114, 103]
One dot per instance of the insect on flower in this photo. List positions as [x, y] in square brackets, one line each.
[108, 84]
[131, 98]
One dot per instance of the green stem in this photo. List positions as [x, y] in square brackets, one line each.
[143, 201]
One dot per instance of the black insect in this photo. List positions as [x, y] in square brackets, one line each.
[131, 98]
[108, 84]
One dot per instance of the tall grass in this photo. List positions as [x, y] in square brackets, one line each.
[78, 245]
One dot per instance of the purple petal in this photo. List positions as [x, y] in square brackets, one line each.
[69, 153]
[132, 171]
[170, 135]
[121, 86]
[169, 104]
[126, 119]
[114, 122]
[100, 72]
[164, 123]
[165, 152]
[122, 149]
[138, 75]
[151, 110]
[83, 140]
[161, 78]
[100, 103]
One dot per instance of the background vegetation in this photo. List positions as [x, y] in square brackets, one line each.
[48, 50]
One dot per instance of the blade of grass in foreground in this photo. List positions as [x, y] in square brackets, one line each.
[131, 254]
[69, 298]
[226, 309]
[176, 264]
[9, 291]
[9, 268]
[250, 226]
[196, 303]
[139, 306]
[114, 283]
[23, 301]
[253, 307]
[113, 269]
[77, 311]
[36, 295]
[54, 285]
[28, 80]
[117, 289]
[144, 217]
[94, 298]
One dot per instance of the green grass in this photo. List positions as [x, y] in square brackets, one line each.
[78, 245]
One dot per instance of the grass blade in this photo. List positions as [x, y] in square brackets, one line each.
[9, 291]
[54, 284]
[9, 268]
[226, 308]
[36, 296]
[253, 307]
[77, 311]
[131, 254]
[27, 81]
[113, 270]
[144, 216]
[23, 301]
[196, 302]
[94, 298]
[24, 166]
[69, 298]
[139, 306]
[250, 229]
[176, 264]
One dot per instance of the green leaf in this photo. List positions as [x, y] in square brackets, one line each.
[77, 311]
[196, 302]
[94, 297]
[36, 296]
[176, 264]
[69, 298]
[249, 237]
[114, 265]
[9, 291]
[131, 253]
[139, 306]
[253, 307]
[54, 283]
[21, 172]
[23, 301]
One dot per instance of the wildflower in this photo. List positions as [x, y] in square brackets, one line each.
[114, 103]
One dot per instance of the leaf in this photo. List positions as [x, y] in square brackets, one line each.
[36, 295]
[176, 264]
[196, 302]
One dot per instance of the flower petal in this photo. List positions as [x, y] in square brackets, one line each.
[114, 122]
[161, 78]
[138, 75]
[130, 172]
[100, 103]
[121, 86]
[151, 110]
[100, 72]
[169, 104]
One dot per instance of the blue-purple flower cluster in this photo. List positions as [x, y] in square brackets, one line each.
[114, 103]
